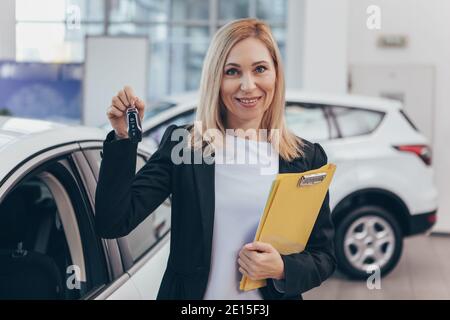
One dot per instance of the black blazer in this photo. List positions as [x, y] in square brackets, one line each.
[124, 199]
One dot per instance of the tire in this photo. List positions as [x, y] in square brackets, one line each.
[356, 247]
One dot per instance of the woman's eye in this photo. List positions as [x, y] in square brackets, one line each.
[260, 69]
[231, 72]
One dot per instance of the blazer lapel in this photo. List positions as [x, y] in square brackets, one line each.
[297, 165]
[205, 189]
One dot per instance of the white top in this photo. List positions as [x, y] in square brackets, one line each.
[241, 191]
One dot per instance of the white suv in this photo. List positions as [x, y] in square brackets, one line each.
[383, 188]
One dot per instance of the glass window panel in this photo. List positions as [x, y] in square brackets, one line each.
[188, 49]
[158, 77]
[142, 10]
[155, 32]
[52, 42]
[42, 10]
[307, 122]
[190, 10]
[58, 10]
[122, 10]
[33, 201]
[279, 34]
[90, 10]
[233, 9]
[116, 29]
[272, 10]
[147, 234]
[356, 122]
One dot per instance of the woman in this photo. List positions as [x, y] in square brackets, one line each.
[216, 205]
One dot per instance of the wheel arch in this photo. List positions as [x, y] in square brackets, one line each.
[375, 196]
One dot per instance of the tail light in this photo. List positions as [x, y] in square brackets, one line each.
[432, 218]
[421, 150]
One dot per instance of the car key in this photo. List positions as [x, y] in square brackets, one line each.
[134, 125]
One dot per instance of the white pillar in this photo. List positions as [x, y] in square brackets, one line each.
[7, 30]
[295, 44]
[325, 63]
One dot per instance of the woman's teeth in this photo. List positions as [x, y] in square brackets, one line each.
[248, 101]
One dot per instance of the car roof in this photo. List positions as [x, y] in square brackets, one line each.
[348, 100]
[21, 138]
[185, 102]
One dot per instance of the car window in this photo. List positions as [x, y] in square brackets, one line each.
[356, 122]
[150, 112]
[32, 229]
[157, 108]
[42, 251]
[408, 119]
[94, 159]
[151, 230]
[153, 137]
[307, 121]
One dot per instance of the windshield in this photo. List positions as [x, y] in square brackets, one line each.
[151, 111]
[157, 108]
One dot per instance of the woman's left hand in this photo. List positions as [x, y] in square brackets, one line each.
[260, 260]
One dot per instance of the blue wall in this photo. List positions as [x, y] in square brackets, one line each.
[41, 90]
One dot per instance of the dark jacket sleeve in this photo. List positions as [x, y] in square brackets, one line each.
[124, 198]
[309, 268]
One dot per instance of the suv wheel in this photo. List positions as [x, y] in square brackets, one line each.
[368, 236]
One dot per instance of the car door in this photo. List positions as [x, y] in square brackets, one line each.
[355, 146]
[315, 123]
[47, 226]
[144, 252]
[120, 287]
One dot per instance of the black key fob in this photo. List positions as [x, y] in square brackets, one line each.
[134, 125]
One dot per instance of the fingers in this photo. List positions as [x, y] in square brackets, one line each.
[248, 271]
[259, 246]
[123, 98]
[129, 94]
[246, 261]
[245, 273]
[126, 96]
[243, 265]
[245, 269]
[114, 112]
[248, 255]
[117, 102]
[140, 105]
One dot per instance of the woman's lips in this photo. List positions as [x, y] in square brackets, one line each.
[248, 102]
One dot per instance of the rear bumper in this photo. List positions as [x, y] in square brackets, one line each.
[420, 223]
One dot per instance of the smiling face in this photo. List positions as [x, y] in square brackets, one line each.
[248, 84]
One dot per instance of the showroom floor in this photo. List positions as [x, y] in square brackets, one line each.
[422, 273]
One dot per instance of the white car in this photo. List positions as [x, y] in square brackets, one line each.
[383, 188]
[48, 245]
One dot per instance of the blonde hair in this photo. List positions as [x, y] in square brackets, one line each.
[210, 108]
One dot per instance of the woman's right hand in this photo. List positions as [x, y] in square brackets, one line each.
[116, 113]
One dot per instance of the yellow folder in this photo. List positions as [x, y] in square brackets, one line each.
[291, 210]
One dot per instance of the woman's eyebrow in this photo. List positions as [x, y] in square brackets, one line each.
[237, 65]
